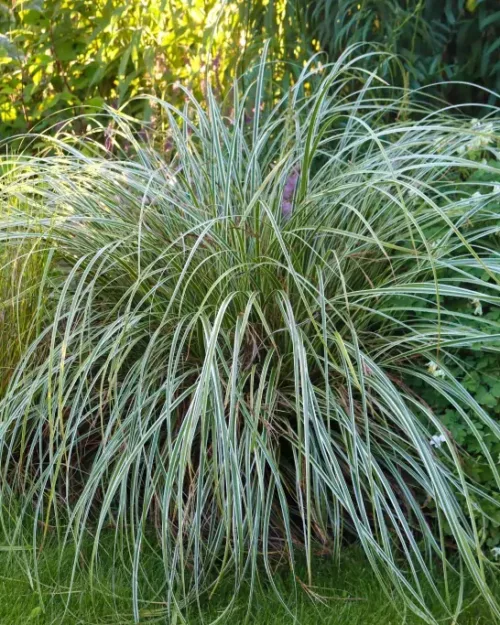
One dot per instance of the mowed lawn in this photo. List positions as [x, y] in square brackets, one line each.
[345, 593]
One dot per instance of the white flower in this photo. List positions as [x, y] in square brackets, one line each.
[478, 309]
[437, 440]
[477, 194]
[495, 552]
[484, 141]
[433, 367]
[496, 188]
[485, 136]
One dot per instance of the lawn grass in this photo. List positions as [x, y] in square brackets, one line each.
[345, 594]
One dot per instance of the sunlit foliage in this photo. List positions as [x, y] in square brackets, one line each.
[58, 57]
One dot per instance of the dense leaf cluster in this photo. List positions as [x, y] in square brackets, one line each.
[67, 58]
[436, 40]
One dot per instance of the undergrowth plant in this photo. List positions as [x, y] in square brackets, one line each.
[478, 367]
[228, 375]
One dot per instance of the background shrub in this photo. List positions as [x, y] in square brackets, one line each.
[437, 41]
[58, 57]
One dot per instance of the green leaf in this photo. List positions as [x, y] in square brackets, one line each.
[495, 389]
[485, 398]
[35, 613]
[31, 17]
[65, 51]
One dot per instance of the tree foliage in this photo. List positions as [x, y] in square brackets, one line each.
[437, 41]
[60, 57]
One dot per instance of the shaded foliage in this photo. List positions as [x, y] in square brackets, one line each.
[444, 40]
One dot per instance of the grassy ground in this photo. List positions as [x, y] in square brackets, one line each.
[346, 595]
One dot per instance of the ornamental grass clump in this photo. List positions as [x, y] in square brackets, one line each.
[227, 374]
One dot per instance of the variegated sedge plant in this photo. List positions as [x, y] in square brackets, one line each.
[226, 373]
